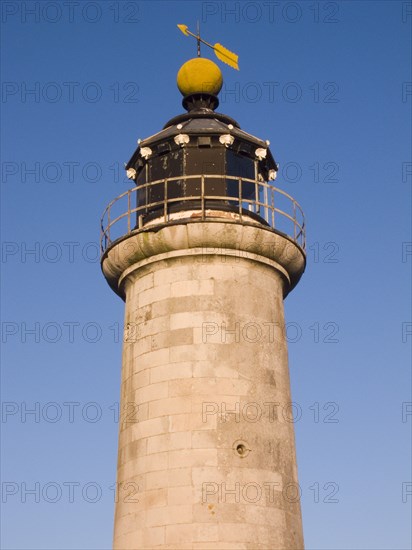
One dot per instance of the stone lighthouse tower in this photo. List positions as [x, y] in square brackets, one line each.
[203, 249]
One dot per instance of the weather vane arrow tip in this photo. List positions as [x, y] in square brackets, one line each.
[183, 28]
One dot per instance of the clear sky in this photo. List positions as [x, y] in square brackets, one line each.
[329, 84]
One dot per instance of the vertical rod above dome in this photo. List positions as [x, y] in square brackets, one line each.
[198, 39]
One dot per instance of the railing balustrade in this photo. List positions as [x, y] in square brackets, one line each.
[266, 204]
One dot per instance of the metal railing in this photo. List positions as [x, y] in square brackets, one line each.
[266, 204]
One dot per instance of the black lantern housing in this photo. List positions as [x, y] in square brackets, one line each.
[206, 159]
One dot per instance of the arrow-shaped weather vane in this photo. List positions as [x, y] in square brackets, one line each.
[221, 52]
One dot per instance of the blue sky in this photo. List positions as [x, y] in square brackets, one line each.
[329, 84]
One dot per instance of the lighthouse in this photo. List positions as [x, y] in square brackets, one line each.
[203, 249]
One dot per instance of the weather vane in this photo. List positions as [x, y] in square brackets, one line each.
[221, 52]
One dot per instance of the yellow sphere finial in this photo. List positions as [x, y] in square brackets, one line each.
[199, 75]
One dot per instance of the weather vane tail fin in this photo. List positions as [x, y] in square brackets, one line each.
[226, 56]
